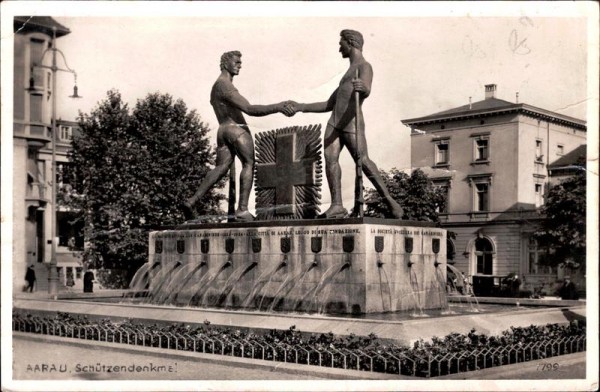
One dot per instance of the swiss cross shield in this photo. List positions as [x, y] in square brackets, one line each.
[158, 246]
[286, 244]
[288, 173]
[204, 246]
[435, 245]
[256, 245]
[229, 245]
[348, 243]
[408, 244]
[180, 246]
[379, 244]
[316, 244]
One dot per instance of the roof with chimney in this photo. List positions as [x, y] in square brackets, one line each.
[491, 106]
[40, 24]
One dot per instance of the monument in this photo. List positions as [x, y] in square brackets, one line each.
[233, 137]
[291, 258]
[352, 265]
[346, 127]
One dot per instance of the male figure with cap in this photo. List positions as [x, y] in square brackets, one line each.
[344, 130]
[233, 137]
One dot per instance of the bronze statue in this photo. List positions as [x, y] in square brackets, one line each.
[346, 126]
[233, 137]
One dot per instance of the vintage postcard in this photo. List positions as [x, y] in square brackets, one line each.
[242, 195]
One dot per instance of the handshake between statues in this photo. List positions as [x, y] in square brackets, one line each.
[290, 108]
[355, 85]
[345, 128]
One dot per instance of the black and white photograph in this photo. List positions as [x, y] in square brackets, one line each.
[299, 196]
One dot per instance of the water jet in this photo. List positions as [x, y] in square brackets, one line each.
[330, 266]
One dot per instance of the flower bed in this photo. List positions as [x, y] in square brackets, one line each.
[454, 353]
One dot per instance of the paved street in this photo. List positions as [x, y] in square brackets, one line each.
[69, 362]
[556, 368]
[56, 360]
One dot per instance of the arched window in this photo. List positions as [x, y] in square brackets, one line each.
[484, 253]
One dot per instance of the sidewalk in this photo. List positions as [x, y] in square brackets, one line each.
[71, 293]
[564, 367]
[74, 359]
[86, 360]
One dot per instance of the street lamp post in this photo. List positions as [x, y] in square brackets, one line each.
[53, 271]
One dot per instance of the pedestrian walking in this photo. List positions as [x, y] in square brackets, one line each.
[70, 279]
[30, 278]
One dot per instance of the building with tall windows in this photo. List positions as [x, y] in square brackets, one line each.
[494, 160]
[32, 157]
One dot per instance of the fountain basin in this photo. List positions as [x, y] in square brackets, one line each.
[344, 266]
[491, 321]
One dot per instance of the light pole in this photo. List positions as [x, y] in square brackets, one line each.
[53, 272]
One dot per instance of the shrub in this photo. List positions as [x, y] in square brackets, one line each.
[112, 278]
[369, 353]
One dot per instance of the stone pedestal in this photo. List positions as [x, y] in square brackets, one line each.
[357, 265]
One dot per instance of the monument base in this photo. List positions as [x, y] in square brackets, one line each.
[336, 266]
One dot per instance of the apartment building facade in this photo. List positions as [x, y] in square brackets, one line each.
[492, 158]
[32, 157]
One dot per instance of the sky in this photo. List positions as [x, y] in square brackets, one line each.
[425, 60]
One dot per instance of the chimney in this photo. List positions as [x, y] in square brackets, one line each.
[490, 91]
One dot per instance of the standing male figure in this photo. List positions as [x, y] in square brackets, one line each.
[88, 282]
[233, 137]
[342, 129]
[30, 278]
[568, 289]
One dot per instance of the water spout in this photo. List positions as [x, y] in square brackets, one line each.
[174, 283]
[143, 276]
[416, 291]
[384, 285]
[326, 289]
[235, 277]
[260, 284]
[288, 285]
[202, 286]
[140, 279]
[441, 288]
[162, 279]
[182, 285]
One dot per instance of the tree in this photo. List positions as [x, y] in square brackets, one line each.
[563, 230]
[132, 170]
[417, 195]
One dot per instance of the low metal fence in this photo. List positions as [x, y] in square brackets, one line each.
[393, 361]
